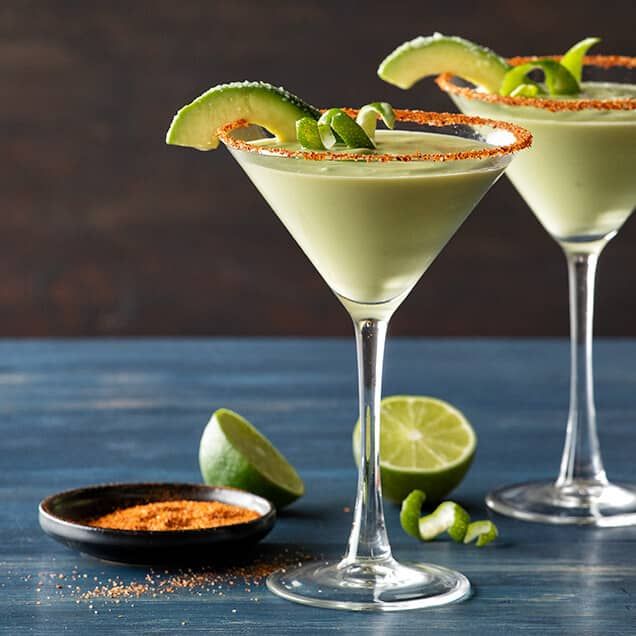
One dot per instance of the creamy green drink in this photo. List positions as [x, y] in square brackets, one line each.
[579, 179]
[371, 229]
[371, 210]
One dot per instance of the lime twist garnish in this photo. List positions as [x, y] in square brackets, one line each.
[448, 517]
[335, 126]
[573, 59]
[368, 117]
[308, 133]
[484, 531]
[558, 80]
[411, 511]
[561, 78]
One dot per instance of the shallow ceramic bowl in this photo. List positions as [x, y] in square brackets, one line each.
[64, 517]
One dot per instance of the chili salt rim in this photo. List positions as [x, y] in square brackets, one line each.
[523, 139]
[445, 82]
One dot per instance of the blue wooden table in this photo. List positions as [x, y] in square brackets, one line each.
[82, 412]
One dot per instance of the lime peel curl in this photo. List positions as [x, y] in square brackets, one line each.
[368, 116]
[561, 77]
[484, 531]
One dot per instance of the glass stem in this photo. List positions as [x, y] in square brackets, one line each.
[368, 540]
[581, 464]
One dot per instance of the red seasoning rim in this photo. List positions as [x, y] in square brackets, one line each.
[522, 139]
[446, 83]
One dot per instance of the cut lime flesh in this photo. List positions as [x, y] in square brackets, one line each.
[435, 54]
[233, 453]
[411, 511]
[425, 444]
[274, 108]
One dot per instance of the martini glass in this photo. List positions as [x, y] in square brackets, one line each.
[579, 179]
[372, 224]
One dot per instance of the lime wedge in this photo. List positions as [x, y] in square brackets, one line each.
[434, 54]
[411, 511]
[271, 107]
[484, 531]
[573, 59]
[448, 517]
[425, 444]
[233, 453]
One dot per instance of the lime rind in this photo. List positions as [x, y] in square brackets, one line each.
[274, 108]
[335, 124]
[526, 90]
[558, 79]
[573, 58]
[368, 116]
[484, 531]
[308, 134]
[438, 53]
[327, 135]
[448, 517]
[411, 511]
[234, 453]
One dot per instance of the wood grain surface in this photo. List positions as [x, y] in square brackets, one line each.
[77, 413]
[105, 230]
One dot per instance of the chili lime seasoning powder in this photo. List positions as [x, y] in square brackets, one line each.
[181, 514]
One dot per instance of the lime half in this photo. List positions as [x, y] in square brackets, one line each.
[425, 444]
[233, 453]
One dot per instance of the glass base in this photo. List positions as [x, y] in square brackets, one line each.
[381, 586]
[581, 503]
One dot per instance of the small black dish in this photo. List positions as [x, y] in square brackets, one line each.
[63, 516]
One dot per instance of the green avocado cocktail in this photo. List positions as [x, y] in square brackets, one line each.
[579, 179]
[371, 211]
[372, 229]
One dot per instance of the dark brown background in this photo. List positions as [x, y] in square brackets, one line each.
[105, 230]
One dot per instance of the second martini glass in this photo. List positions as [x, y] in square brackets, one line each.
[372, 223]
[579, 179]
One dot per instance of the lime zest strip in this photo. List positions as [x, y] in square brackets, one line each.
[411, 511]
[369, 113]
[573, 58]
[526, 90]
[308, 134]
[447, 517]
[327, 135]
[484, 531]
[558, 79]
[334, 125]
